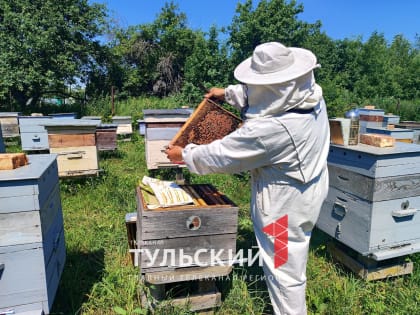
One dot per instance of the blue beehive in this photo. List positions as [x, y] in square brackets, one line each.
[32, 246]
[33, 135]
[373, 199]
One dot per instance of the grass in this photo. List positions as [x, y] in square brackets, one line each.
[99, 278]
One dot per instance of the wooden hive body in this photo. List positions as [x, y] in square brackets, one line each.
[123, 123]
[209, 226]
[33, 135]
[74, 141]
[373, 199]
[161, 125]
[9, 122]
[32, 245]
[106, 137]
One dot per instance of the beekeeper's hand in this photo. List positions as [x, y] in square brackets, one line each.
[174, 153]
[215, 92]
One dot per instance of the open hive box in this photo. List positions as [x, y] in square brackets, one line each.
[208, 123]
[208, 224]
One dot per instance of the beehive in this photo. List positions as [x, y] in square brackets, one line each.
[413, 125]
[106, 137]
[9, 122]
[161, 125]
[32, 245]
[373, 199]
[124, 127]
[74, 141]
[209, 224]
[207, 123]
[33, 135]
[370, 118]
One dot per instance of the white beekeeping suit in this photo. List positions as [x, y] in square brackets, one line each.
[284, 143]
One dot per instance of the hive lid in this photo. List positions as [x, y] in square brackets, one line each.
[206, 124]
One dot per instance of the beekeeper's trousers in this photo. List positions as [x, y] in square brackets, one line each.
[300, 206]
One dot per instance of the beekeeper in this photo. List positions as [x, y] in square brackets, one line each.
[284, 143]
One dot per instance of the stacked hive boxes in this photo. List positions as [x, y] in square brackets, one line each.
[75, 143]
[32, 246]
[374, 199]
[370, 118]
[33, 135]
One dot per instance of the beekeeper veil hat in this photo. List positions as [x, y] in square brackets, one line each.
[274, 63]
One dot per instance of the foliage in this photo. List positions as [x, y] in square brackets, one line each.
[45, 45]
[274, 20]
[148, 58]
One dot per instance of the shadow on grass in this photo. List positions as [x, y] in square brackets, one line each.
[81, 272]
[111, 154]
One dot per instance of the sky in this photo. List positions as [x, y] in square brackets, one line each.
[340, 18]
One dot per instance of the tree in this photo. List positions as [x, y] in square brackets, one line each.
[207, 65]
[45, 45]
[274, 20]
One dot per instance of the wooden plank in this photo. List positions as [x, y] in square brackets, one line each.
[165, 125]
[198, 302]
[392, 269]
[346, 219]
[189, 246]
[10, 161]
[106, 139]
[69, 140]
[155, 155]
[173, 224]
[34, 141]
[384, 188]
[160, 133]
[377, 140]
[124, 129]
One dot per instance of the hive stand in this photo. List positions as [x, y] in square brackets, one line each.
[367, 268]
